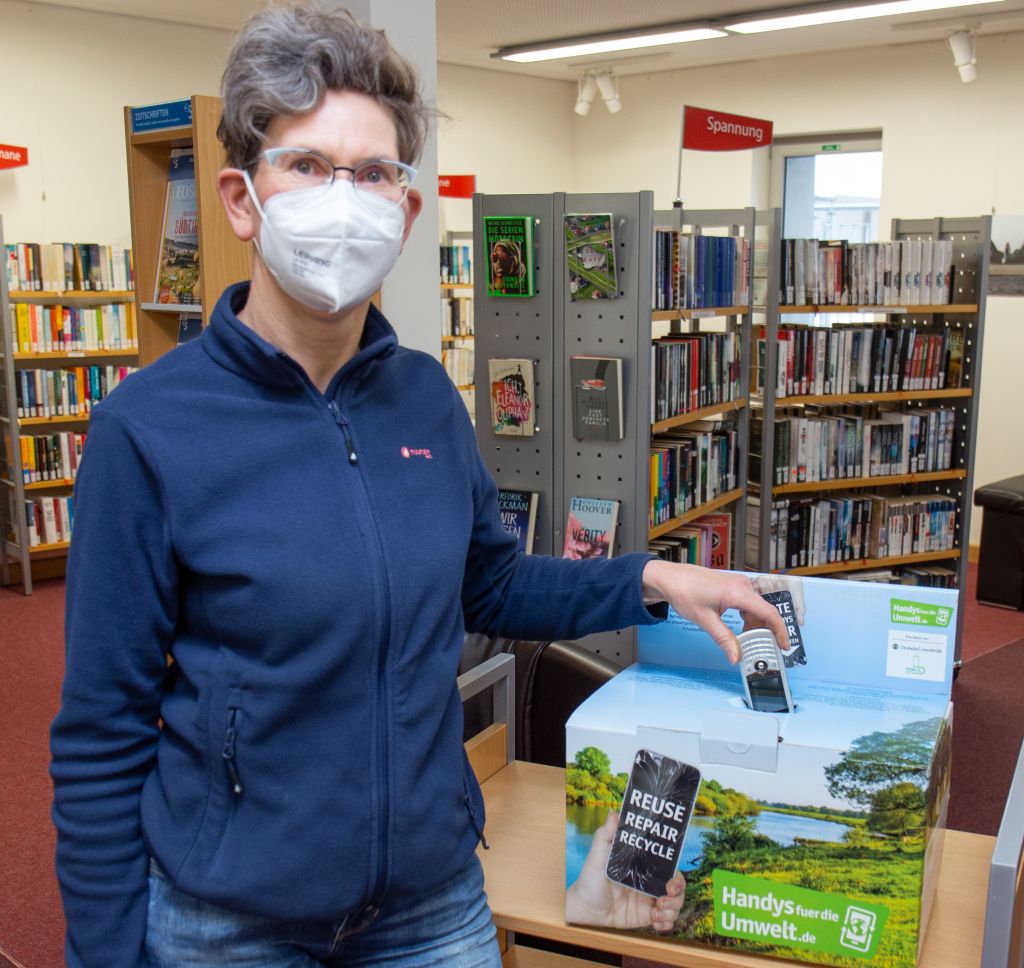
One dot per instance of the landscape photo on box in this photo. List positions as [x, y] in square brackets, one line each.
[813, 834]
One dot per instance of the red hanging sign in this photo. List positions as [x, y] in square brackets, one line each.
[705, 130]
[11, 156]
[456, 186]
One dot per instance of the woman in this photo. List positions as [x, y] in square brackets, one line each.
[293, 508]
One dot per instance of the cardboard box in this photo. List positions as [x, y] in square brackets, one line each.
[814, 835]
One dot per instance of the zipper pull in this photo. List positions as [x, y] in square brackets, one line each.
[343, 424]
[228, 753]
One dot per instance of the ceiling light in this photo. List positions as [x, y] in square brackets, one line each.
[606, 43]
[961, 43]
[842, 14]
[585, 91]
[609, 89]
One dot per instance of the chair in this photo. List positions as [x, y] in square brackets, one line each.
[1003, 945]
[552, 679]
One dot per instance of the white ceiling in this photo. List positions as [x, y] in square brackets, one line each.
[469, 31]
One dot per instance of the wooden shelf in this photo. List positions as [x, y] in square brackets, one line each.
[842, 483]
[52, 421]
[108, 295]
[49, 485]
[73, 355]
[831, 399]
[465, 386]
[452, 339]
[223, 258]
[861, 564]
[812, 309]
[682, 419]
[709, 312]
[456, 285]
[706, 508]
[56, 550]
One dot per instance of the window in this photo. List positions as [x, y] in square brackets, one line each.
[828, 186]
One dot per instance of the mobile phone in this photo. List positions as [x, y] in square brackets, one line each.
[656, 808]
[795, 654]
[765, 684]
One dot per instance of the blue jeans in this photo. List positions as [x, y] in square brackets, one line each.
[449, 926]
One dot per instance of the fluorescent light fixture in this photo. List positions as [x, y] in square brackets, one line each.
[842, 14]
[578, 47]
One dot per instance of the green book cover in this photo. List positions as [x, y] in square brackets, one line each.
[590, 256]
[509, 243]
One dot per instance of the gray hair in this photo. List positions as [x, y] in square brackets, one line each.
[288, 55]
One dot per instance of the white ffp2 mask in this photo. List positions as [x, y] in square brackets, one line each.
[330, 252]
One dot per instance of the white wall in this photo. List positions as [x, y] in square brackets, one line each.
[949, 149]
[67, 75]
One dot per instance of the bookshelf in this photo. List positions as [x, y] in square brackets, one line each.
[550, 328]
[50, 440]
[223, 258]
[950, 487]
[457, 317]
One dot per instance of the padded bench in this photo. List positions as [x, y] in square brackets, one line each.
[1001, 562]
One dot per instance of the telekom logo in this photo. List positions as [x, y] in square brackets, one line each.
[423, 452]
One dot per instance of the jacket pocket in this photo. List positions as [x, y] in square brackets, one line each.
[474, 800]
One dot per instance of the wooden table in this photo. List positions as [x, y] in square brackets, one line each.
[525, 883]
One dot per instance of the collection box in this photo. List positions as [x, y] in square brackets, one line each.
[814, 834]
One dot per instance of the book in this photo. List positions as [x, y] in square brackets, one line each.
[512, 397]
[518, 511]
[721, 537]
[590, 528]
[596, 397]
[508, 241]
[590, 256]
[177, 277]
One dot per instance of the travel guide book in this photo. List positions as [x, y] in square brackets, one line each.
[177, 279]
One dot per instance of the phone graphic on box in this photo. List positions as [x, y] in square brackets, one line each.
[655, 811]
[765, 684]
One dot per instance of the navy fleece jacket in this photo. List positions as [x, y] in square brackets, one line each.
[310, 561]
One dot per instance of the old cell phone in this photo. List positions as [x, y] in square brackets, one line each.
[652, 822]
[765, 685]
[783, 602]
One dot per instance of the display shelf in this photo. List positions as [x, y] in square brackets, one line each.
[223, 258]
[964, 316]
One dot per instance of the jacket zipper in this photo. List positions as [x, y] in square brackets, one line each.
[383, 704]
[228, 753]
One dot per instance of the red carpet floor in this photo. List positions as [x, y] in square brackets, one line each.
[989, 727]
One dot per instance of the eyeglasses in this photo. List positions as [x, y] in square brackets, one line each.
[295, 169]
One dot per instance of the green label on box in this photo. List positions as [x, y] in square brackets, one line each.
[905, 612]
[759, 910]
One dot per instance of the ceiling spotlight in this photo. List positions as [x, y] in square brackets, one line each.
[961, 43]
[609, 89]
[585, 91]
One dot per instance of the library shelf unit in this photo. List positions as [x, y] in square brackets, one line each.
[550, 328]
[16, 549]
[223, 258]
[457, 320]
[966, 314]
